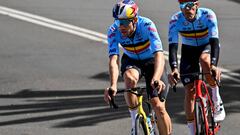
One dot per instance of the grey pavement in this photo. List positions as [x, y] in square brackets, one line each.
[51, 82]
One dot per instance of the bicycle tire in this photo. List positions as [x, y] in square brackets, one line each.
[210, 116]
[140, 126]
[199, 120]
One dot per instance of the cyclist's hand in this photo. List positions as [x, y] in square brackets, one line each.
[216, 72]
[107, 97]
[174, 77]
[158, 84]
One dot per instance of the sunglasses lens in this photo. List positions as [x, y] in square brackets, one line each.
[187, 5]
[124, 22]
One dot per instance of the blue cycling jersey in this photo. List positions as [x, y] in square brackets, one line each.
[141, 46]
[194, 33]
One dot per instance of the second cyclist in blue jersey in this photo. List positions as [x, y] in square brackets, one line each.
[142, 56]
[198, 30]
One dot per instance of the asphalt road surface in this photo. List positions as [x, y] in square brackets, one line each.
[53, 70]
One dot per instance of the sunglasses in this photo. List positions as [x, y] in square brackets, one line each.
[124, 22]
[187, 5]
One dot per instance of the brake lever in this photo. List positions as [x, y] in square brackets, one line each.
[175, 85]
[112, 100]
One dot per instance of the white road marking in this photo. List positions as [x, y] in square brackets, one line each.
[46, 22]
[82, 32]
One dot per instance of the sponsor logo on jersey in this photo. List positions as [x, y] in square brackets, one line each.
[113, 50]
[111, 35]
[186, 23]
[147, 24]
[152, 29]
[172, 21]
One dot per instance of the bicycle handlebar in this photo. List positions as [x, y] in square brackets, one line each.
[196, 74]
[112, 101]
[137, 91]
[219, 84]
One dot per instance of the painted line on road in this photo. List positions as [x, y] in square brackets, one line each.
[43, 21]
[82, 32]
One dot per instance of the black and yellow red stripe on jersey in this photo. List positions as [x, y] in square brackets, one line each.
[195, 33]
[137, 48]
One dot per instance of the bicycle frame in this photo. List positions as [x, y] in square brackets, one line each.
[204, 98]
[139, 95]
[142, 112]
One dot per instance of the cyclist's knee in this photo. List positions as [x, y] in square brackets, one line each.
[130, 80]
[190, 92]
[210, 80]
[159, 108]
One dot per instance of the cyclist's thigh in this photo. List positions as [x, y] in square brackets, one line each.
[131, 66]
[148, 71]
[205, 58]
[164, 78]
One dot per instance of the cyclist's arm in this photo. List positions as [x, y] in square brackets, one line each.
[173, 61]
[173, 42]
[213, 37]
[113, 70]
[215, 50]
[113, 52]
[159, 63]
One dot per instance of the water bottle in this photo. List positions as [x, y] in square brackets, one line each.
[149, 122]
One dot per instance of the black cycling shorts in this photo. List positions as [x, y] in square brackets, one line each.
[146, 69]
[190, 61]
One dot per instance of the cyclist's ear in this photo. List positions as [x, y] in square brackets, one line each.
[135, 19]
[197, 4]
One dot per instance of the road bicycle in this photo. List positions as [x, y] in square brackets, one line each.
[203, 106]
[145, 111]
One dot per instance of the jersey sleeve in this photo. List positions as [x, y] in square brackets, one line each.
[212, 25]
[155, 41]
[113, 48]
[172, 30]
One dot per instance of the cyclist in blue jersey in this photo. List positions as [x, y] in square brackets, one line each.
[200, 44]
[142, 56]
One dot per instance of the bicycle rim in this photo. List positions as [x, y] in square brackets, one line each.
[199, 120]
[140, 126]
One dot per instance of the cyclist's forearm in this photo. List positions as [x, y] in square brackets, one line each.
[215, 50]
[113, 70]
[158, 65]
[173, 61]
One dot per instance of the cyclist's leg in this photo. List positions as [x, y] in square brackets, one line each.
[189, 106]
[131, 74]
[189, 64]
[163, 119]
[189, 99]
[205, 63]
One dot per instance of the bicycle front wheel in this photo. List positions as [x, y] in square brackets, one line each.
[200, 125]
[140, 126]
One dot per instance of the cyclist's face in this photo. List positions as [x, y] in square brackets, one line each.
[126, 27]
[189, 9]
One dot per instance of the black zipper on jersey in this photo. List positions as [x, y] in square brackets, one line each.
[195, 33]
